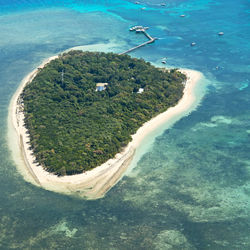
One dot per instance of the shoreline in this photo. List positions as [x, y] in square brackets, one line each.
[95, 183]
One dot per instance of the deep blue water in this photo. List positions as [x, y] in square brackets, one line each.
[191, 188]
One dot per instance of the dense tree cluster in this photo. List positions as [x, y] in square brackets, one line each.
[72, 127]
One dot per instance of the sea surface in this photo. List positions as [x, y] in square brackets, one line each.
[190, 186]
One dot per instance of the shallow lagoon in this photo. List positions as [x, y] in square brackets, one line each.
[190, 188]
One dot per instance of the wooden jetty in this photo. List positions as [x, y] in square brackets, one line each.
[140, 29]
[137, 47]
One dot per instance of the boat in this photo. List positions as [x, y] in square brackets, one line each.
[136, 27]
[221, 33]
[193, 44]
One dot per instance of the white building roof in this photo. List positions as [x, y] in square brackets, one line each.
[140, 90]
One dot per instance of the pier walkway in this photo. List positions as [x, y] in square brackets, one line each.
[140, 29]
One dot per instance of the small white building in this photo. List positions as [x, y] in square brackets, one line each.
[140, 90]
[101, 86]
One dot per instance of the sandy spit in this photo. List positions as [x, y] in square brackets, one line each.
[95, 183]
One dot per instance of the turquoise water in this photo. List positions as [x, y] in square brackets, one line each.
[190, 189]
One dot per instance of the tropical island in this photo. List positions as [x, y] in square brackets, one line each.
[80, 116]
[82, 108]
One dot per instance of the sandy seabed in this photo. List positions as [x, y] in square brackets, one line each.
[95, 183]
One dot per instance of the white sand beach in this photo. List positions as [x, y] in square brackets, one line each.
[95, 183]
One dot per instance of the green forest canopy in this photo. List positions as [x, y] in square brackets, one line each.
[73, 127]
